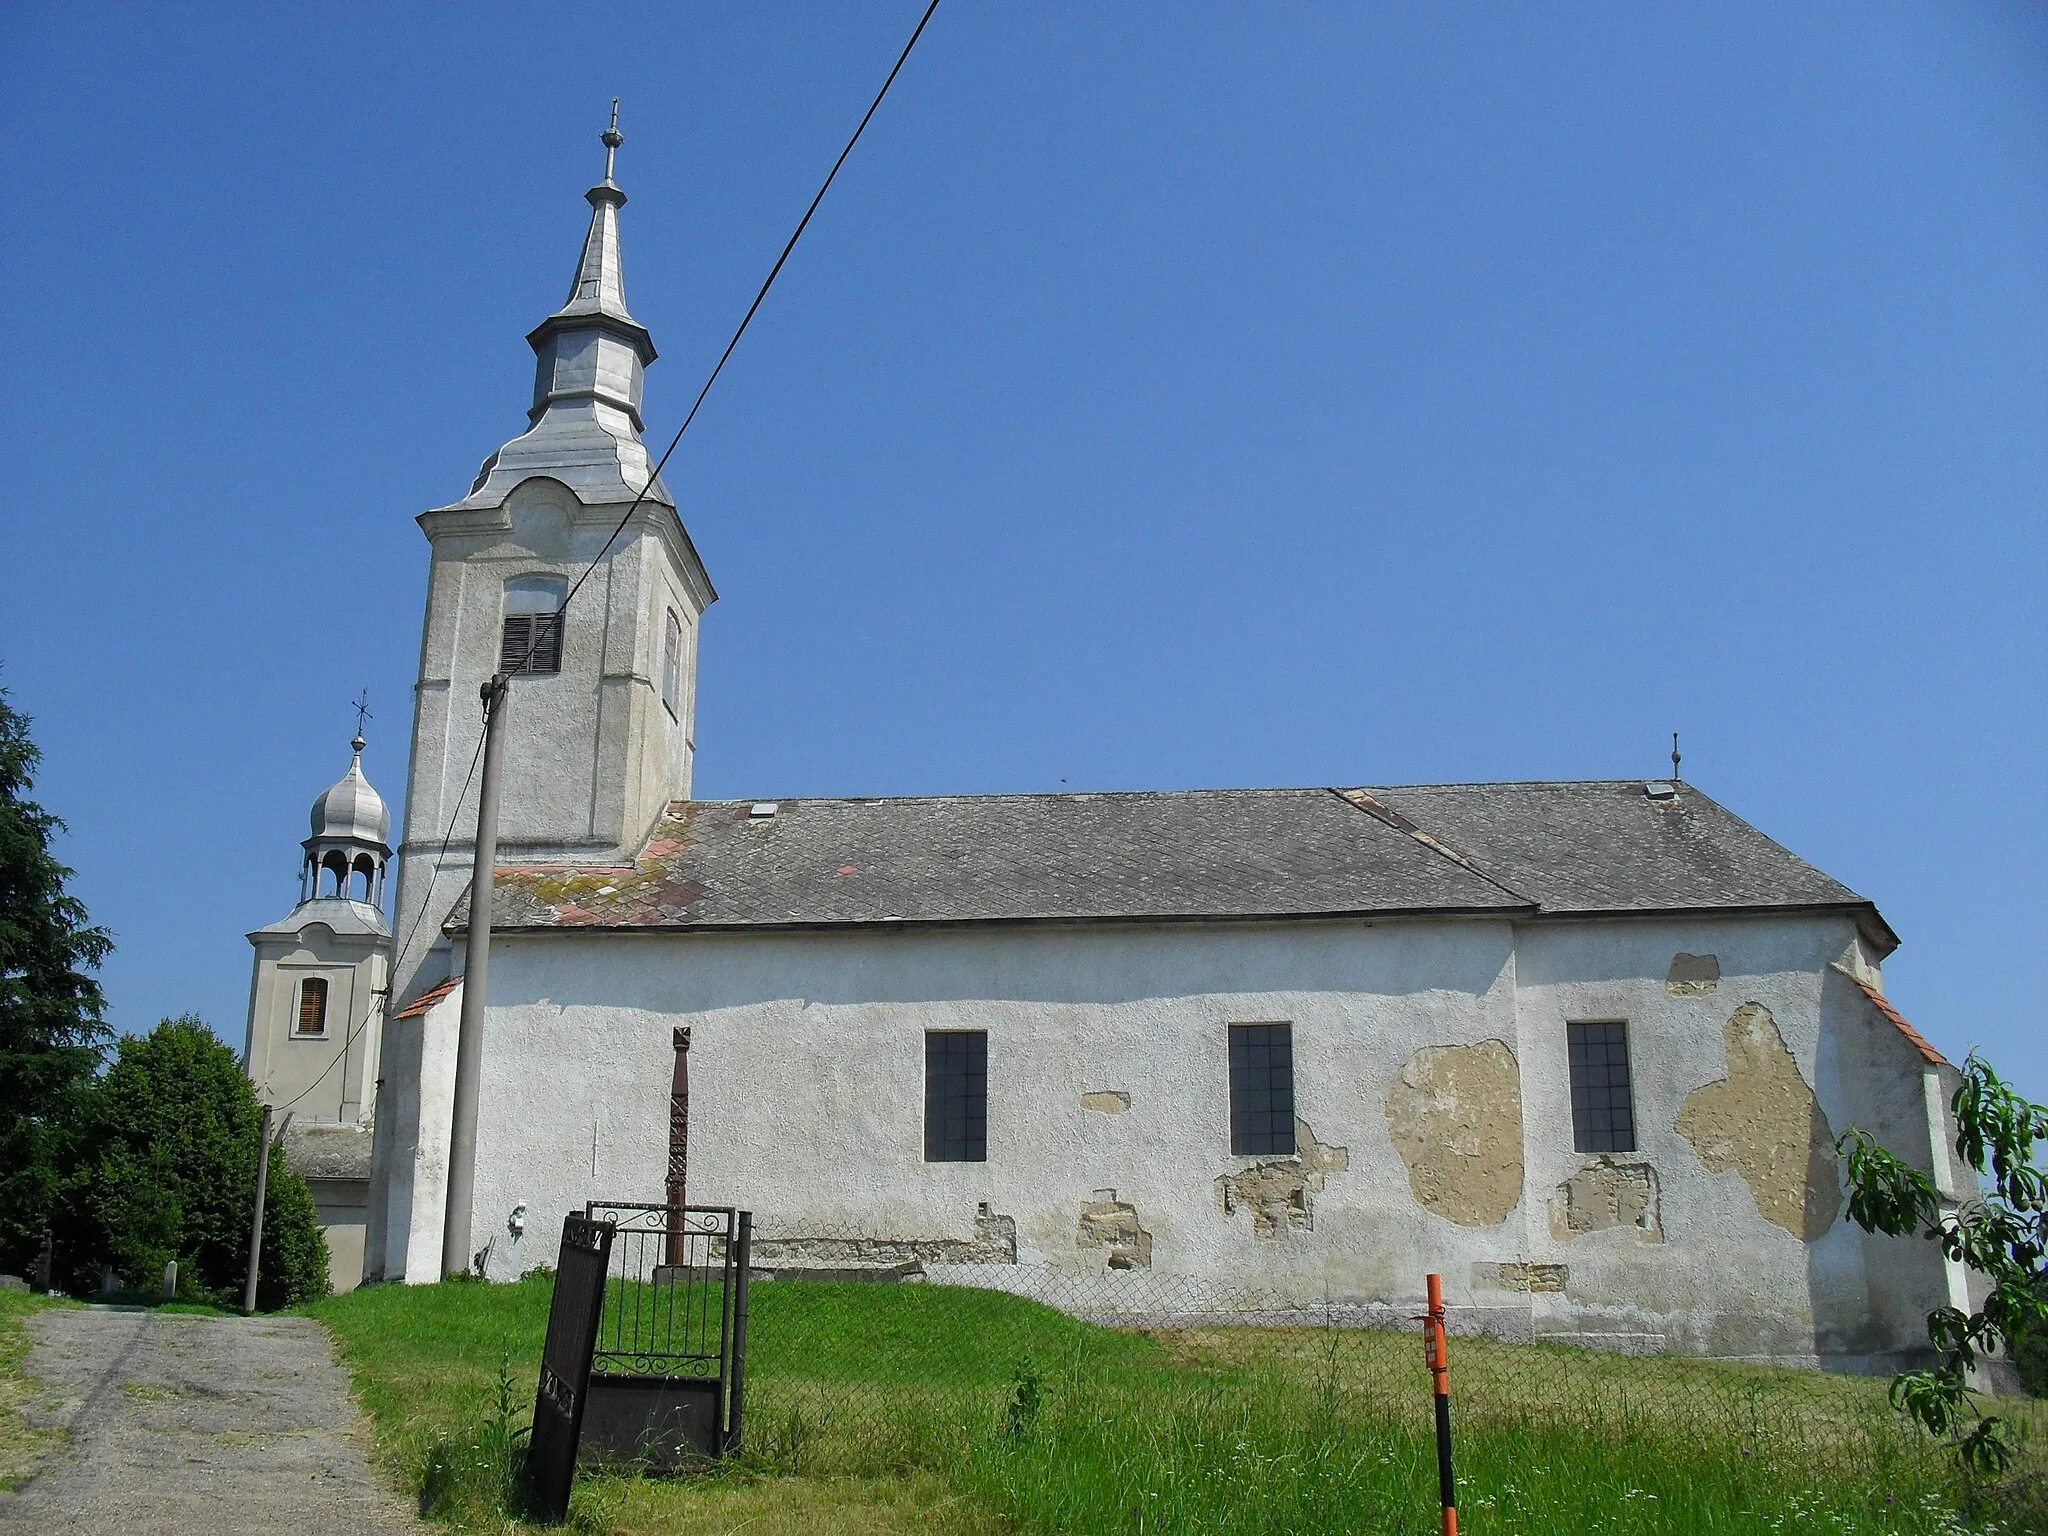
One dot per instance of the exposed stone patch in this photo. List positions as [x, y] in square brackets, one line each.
[994, 1242]
[1763, 1121]
[1693, 975]
[1455, 1116]
[1606, 1194]
[1113, 1224]
[1520, 1276]
[1107, 1101]
[1281, 1194]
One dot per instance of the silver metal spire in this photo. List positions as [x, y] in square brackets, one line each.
[591, 358]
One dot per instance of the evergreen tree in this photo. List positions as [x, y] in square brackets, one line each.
[170, 1170]
[52, 1035]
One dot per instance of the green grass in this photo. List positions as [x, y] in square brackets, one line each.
[22, 1446]
[931, 1408]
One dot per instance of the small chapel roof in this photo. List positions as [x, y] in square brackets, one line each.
[1601, 847]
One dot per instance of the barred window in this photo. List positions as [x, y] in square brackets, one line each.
[313, 1005]
[1262, 1090]
[1603, 1115]
[672, 663]
[956, 1096]
[532, 641]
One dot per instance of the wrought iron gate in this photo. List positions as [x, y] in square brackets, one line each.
[558, 1408]
[668, 1377]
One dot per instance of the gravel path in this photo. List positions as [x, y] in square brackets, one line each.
[196, 1426]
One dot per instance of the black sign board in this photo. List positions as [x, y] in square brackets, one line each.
[565, 1361]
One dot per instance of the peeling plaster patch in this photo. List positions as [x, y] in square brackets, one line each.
[1281, 1194]
[1113, 1224]
[1606, 1194]
[1693, 976]
[1763, 1121]
[1520, 1276]
[1455, 1116]
[1108, 1101]
[994, 1242]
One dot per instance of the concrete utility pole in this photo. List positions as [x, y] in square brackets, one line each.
[476, 966]
[256, 1219]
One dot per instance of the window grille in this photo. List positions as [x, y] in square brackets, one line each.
[672, 663]
[1262, 1090]
[313, 1006]
[956, 1096]
[1603, 1115]
[532, 641]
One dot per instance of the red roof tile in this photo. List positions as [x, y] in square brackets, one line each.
[420, 1005]
[1883, 1005]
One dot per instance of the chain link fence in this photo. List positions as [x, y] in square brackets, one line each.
[871, 1353]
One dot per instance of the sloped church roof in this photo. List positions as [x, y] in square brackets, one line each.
[1602, 847]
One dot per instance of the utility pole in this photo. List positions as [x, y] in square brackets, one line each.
[476, 965]
[256, 1219]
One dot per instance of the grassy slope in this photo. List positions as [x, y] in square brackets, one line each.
[911, 1408]
[22, 1446]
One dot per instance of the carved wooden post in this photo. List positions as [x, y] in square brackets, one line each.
[678, 1145]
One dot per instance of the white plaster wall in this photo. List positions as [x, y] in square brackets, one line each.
[409, 1173]
[807, 1101]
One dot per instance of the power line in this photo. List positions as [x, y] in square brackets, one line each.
[660, 464]
[773, 273]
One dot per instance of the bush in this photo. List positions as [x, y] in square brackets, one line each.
[171, 1139]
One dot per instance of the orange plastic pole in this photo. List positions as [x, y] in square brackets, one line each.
[1436, 1352]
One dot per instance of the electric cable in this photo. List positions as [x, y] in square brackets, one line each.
[634, 506]
[773, 273]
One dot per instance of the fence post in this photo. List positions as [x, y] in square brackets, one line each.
[737, 1356]
[1436, 1351]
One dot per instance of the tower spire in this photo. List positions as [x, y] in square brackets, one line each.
[590, 362]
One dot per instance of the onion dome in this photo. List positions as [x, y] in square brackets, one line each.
[351, 811]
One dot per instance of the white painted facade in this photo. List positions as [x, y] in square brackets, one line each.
[807, 1074]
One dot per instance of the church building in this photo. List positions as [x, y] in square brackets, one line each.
[1582, 1048]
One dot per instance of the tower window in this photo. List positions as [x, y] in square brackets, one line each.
[956, 1096]
[672, 663]
[1262, 1090]
[533, 625]
[313, 1006]
[1603, 1115]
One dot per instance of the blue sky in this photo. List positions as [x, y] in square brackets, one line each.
[1165, 397]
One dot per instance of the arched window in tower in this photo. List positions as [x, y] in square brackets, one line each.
[335, 869]
[532, 640]
[313, 1006]
[672, 664]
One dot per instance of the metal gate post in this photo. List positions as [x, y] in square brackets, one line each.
[737, 1369]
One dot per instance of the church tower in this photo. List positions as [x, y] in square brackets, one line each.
[599, 732]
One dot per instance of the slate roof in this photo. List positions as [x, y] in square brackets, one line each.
[1471, 849]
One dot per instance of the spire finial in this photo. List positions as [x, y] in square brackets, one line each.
[362, 708]
[612, 140]
[1674, 755]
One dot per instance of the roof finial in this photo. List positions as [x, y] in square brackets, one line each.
[362, 708]
[612, 140]
[1674, 756]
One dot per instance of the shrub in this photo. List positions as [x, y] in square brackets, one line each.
[171, 1139]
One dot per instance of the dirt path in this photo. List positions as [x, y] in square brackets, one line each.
[196, 1426]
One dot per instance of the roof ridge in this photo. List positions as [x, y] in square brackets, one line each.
[1208, 789]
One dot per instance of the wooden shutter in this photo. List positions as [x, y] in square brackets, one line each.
[313, 1006]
